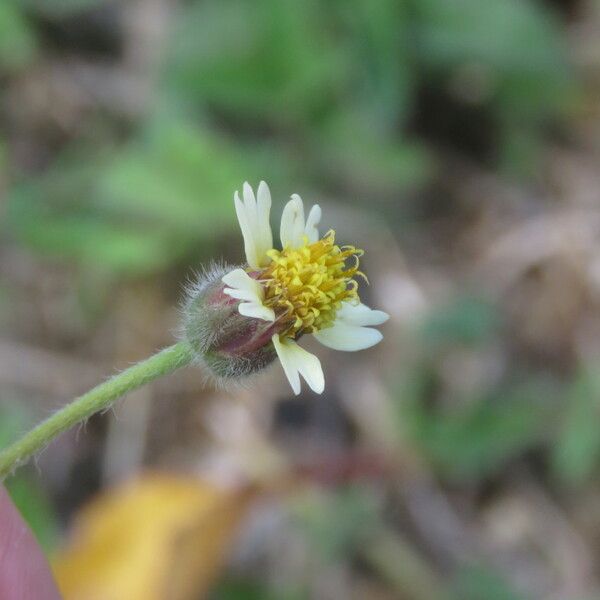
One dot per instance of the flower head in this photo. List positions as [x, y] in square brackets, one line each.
[308, 287]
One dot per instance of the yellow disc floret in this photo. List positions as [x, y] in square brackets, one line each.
[306, 286]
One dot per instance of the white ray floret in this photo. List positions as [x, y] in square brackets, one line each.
[349, 331]
[293, 226]
[297, 361]
[314, 218]
[251, 294]
[253, 216]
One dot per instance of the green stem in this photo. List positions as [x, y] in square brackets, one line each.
[99, 398]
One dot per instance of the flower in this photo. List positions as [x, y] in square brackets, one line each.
[309, 287]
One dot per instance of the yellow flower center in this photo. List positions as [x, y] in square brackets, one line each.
[306, 286]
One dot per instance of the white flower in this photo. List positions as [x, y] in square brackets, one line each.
[305, 288]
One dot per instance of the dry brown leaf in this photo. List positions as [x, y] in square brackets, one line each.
[159, 537]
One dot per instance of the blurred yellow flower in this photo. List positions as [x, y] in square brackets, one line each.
[158, 537]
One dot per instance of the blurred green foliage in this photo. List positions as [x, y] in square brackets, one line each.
[481, 583]
[134, 209]
[340, 521]
[576, 454]
[475, 434]
[242, 589]
[17, 39]
[290, 91]
[473, 438]
[362, 99]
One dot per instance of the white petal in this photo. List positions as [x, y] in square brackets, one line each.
[251, 212]
[297, 361]
[299, 223]
[256, 311]
[349, 338]
[238, 279]
[247, 233]
[291, 231]
[286, 360]
[360, 314]
[314, 218]
[253, 218]
[246, 295]
[263, 210]
[243, 287]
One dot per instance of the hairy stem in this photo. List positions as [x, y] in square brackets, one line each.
[99, 398]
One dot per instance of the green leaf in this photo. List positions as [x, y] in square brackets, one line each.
[176, 175]
[577, 451]
[519, 53]
[351, 147]
[338, 522]
[27, 494]
[72, 231]
[141, 207]
[17, 40]
[382, 80]
[280, 65]
[242, 589]
[480, 435]
[512, 36]
[33, 504]
[481, 583]
[61, 8]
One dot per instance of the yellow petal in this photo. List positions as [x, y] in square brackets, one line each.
[157, 537]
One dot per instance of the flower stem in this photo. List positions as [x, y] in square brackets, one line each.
[99, 398]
